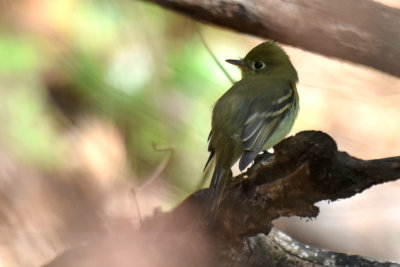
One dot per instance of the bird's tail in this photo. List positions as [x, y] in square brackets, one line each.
[217, 186]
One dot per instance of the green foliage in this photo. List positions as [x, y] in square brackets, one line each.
[135, 65]
[17, 54]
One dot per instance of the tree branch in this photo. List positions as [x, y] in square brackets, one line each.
[361, 31]
[305, 169]
[278, 249]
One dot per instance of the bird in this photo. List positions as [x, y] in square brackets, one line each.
[255, 114]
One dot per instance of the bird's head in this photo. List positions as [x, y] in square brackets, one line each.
[266, 58]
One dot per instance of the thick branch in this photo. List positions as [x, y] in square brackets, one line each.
[361, 31]
[305, 169]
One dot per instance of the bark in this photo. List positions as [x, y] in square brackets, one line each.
[360, 31]
[305, 169]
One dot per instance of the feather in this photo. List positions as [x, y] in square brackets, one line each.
[218, 182]
[260, 126]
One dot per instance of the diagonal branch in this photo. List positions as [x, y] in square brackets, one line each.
[361, 31]
[306, 168]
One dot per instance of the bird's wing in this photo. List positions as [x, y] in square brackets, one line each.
[262, 122]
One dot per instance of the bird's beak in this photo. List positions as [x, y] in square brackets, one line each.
[235, 62]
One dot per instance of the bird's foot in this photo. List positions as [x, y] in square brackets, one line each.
[264, 157]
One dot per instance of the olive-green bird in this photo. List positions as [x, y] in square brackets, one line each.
[253, 115]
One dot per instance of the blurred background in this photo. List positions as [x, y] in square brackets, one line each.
[105, 110]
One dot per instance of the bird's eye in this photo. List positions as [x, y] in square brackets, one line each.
[258, 65]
